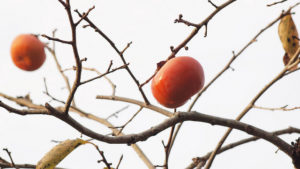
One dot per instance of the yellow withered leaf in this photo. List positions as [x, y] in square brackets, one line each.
[289, 37]
[58, 153]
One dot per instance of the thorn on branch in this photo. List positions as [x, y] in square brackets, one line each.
[205, 32]
[85, 26]
[83, 60]
[233, 53]
[172, 48]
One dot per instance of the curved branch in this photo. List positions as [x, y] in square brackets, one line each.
[177, 118]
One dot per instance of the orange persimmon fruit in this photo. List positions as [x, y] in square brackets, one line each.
[177, 81]
[27, 52]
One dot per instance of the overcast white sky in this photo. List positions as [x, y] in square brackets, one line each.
[150, 25]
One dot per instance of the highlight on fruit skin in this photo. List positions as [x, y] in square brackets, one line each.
[27, 52]
[177, 81]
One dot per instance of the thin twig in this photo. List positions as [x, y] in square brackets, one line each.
[66, 79]
[116, 132]
[49, 95]
[214, 5]
[84, 15]
[77, 80]
[275, 3]
[102, 155]
[112, 44]
[135, 114]
[249, 107]
[136, 102]
[127, 46]
[181, 20]
[284, 108]
[121, 158]
[168, 148]
[56, 39]
[228, 66]
[116, 113]
[196, 29]
[202, 160]
[102, 75]
[10, 157]
[113, 86]
[184, 43]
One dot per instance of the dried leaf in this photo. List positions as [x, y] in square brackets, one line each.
[58, 153]
[289, 37]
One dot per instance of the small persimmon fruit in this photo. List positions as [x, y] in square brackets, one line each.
[177, 81]
[27, 52]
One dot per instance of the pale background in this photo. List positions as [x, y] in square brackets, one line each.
[149, 24]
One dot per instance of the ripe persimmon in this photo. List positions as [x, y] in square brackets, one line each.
[27, 52]
[177, 81]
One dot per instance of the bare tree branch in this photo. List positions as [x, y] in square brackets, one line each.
[284, 108]
[177, 118]
[84, 15]
[136, 102]
[250, 105]
[228, 66]
[275, 3]
[76, 56]
[57, 40]
[200, 161]
[120, 53]
[102, 75]
[103, 121]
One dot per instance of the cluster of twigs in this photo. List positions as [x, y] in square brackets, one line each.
[174, 120]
